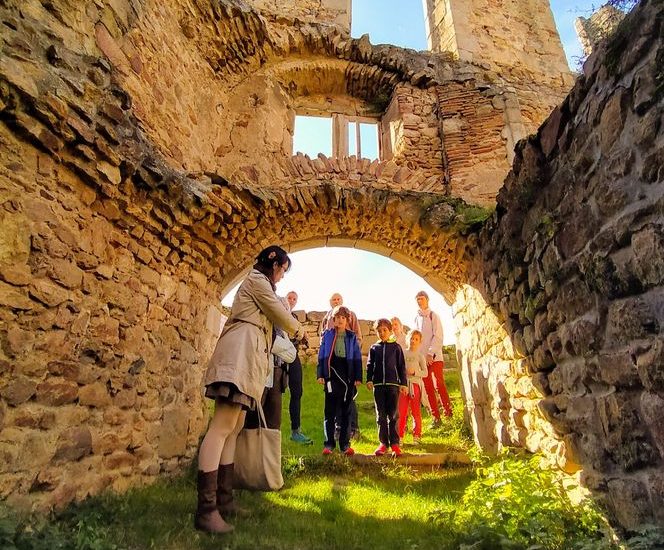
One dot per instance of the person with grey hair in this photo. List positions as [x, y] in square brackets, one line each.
[294, 371]
[429, 324]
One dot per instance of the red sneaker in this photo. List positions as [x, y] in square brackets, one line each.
[380, 451]
[327, 451]
[396, 450]
[349, 452]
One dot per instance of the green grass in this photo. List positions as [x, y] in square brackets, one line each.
[332, 502]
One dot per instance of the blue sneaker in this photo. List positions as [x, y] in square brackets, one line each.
[299, 437]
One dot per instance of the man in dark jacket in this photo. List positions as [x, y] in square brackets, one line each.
[386, 376]
[294, 370]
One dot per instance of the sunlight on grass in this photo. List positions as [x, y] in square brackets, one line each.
[304, 495]
[401, 503]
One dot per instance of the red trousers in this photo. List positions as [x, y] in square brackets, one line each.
[414, 403]
[436, 369]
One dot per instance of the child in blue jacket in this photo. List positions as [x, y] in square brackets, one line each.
[340, 371]
[386, 376]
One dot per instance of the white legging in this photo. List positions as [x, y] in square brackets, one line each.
[218, 446]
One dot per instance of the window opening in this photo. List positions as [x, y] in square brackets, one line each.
[313, 135]
[363, 139]
[336, 136]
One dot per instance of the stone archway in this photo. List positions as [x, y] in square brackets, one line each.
[123, 209]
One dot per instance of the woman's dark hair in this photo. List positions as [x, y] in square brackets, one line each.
[268, 258]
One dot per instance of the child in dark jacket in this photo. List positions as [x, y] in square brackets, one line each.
[340, 371]
[386, 376]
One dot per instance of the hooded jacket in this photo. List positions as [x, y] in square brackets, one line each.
[386, 364]
[353, 355]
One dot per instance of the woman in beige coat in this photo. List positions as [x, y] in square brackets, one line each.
[235, 379]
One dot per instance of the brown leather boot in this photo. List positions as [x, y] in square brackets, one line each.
[207, 516]
[225, 502]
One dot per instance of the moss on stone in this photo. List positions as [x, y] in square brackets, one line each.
[454, 213]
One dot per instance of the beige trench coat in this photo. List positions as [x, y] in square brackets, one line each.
[242, 355]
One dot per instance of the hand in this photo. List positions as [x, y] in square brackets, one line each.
[321, 380]
[358, 383]
[429, 359]
[410, 372]
[299, 333]
[370, 386]
[403, 390]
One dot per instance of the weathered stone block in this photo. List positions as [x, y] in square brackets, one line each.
[55, 392]
[107, 443]
[172, 435]
[34, 417]
[614, 368]
[631, 319]
[94, 395]
[629, 502]
[14, 238]
[19, 340]
[48, 293]
[649, 361]
[652, 406]
[14, 297]
[66, 273]
[18, 390]
[648, 249]
[73, 444]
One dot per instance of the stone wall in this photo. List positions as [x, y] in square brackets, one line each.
[336, 12]
[499, 33]
[592, 30]
[105, 337]
[126, 189]
[515, 40]
[572, 268]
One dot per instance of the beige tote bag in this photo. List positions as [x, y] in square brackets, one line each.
[258, 457]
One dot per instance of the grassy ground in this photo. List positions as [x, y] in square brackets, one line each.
[334, 503]
[327, 502]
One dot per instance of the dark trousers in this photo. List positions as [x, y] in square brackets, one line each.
[271, 403]
[295, 387]
[338, 400]
[386, 399]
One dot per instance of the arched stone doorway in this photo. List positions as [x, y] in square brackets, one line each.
[134, 192]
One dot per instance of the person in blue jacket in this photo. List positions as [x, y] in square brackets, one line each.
[340, 372]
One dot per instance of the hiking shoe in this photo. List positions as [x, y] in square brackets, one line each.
[417, 440]
[327, 451]
[380, 451]
[435, 423]
[299, 437]
[349, 452]
[448, 414]
[396, 450]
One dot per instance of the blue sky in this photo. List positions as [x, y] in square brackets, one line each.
[372, 285]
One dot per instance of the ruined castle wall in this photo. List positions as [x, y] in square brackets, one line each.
[336, 12]
[501, 34]
[478, 139]
[515, 39]
[572, 268]
[107, 336]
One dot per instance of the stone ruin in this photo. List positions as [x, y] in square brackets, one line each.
[146, 157]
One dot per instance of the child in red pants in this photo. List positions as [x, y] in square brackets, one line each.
[416, 370]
